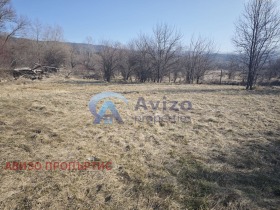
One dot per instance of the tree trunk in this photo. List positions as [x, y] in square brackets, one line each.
[221, 76]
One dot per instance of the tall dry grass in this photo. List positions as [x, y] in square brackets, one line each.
[227, 157]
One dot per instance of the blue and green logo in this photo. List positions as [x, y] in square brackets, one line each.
[107, 105]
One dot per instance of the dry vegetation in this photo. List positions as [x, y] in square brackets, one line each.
[226, 158]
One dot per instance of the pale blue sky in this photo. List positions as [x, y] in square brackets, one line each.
[123, 20]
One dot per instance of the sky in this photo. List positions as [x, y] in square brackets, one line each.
[124, 20]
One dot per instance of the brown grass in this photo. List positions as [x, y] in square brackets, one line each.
[227, 157]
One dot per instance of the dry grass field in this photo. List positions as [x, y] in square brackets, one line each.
[226, 157]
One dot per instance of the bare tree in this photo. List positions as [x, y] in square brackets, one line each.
[178, 71]
[10, 24]
[163, 49]
[109, 59]
[166, 50]
[127, 61]
[53, 34]
[143, 63]
[7, 14]
[73, 56]
[198, 59]
[36, 35]
[257, 36]
[55, 51]
[88, 54]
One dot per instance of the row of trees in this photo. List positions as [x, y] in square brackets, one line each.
[152, 58]
[148, 57]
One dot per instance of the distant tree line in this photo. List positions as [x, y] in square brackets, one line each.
[158, 57]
